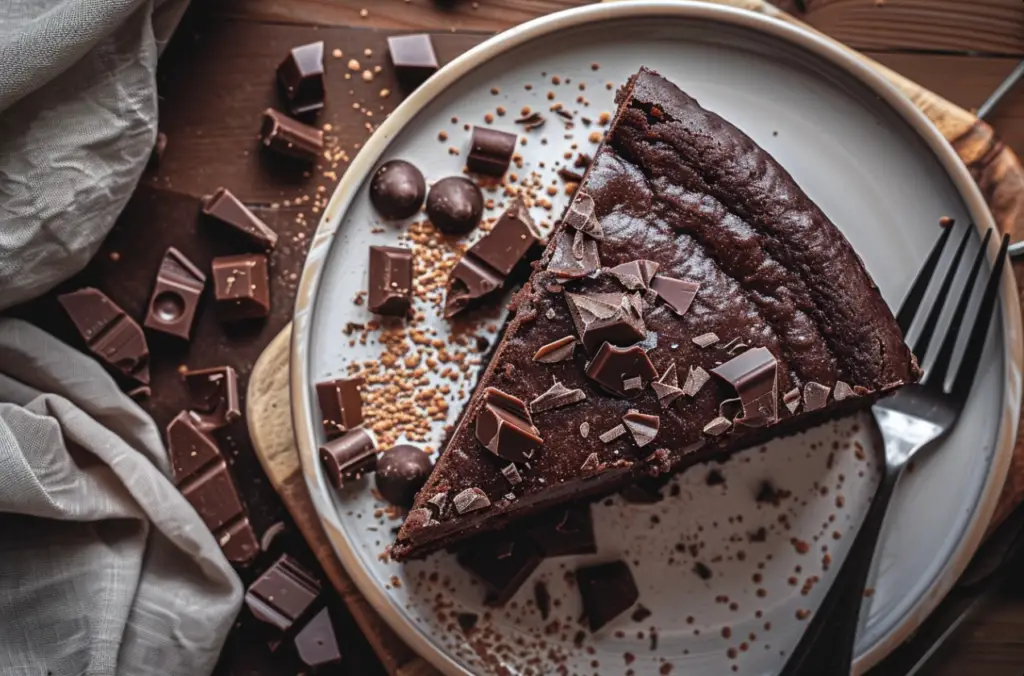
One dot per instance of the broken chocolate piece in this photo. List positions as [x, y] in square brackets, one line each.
[607, 591]
[505, 428]
[565, 264]
[317, 644]
[706, 339]
[301, 75]
[717, 426]
[666, 387]
[634, 275]
[419, 518]
[815, 396]
[397, 190]
[511, 473]
[613, 366]
[792, 399]
[612, 434]
[677, 293]
[490, 151]
[413, 58]
[188, 448]
[401, 472]
[606, 317]
[341, 404]
[455, 205]
[591, 464]
[532, 121]
[502, 563]
[842, 391]
[557, 396]
[176, 293]
[214, 394]
[241, 285]
[470, 500]
[349, 457]
[108, 332]
[284, 595]
[390, 281]
[642, 426]
[565, 531]
[468, 281]
[223, 207]
[580, 216]
[556, 351]
[290, 137]
[695, 380]
[754, 375]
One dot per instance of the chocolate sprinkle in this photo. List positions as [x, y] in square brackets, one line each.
[643, 427]
[613, 366]
[792, 399]
[505, 428]
[557, 396]
[717, 426]
[613, 434]
[440, 501]
[556, 351]
[418, 518]
[754, 375]
[678, 293]
[511, 473]
[706, 339]
[842, 391]
[695, 380]
[815, 396]
[470, 500]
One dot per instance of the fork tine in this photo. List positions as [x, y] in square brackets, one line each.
[976, 342]
[924, 339]
[912, 301]
[937, 373]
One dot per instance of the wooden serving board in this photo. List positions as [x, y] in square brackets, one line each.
[994, 166]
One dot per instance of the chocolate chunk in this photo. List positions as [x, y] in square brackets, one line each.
[568, 175]
[666, 387]
[695, 381]
[677, 293]
[714, 478]
[419, 518]
[455, 205]
[612, 434]
[223, 207]
[580, 216]
[214, 395]
[703, 572]
[564, 531]
[290, 137]
[643, 427]
[241, 285]
[612, 366]
[706, 339]
[502, 563]
[189, 448]
[284, 595]
[511, 473]
[469, 281]
[439, 501]
[341, 404]
[470, 500]
[413, 58]
[607, 591]
[542, 597]
[640, 614]
[301, 75]
[490, 151]
[717, 426]
[754, 375]
[634, 275]
[815, 396]
[564, 262]
[592, 463]
[842, 391]
[606, 317]
[390, 281]
[532, 121]
[397, 190]
[556, 351]
[176, 292]
[317, 644]
[557, 396]
[401, 473]
[467, 621]
[584, 429]
[238, 542]
[108, 332]
[792, 399]
[505, 428]
[349, 457]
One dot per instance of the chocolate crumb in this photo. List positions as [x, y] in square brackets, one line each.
[542, 597]
[702, 571]
[467, 621]
[714, 478]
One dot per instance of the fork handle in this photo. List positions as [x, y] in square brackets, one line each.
[828, 643]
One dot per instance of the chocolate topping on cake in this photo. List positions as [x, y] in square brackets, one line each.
[504, 427]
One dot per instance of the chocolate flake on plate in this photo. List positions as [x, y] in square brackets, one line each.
[677, 293]
[511, 473]
[613, 366]
[591, 464]
[706, 339]
[607, 591]
[505, 428]
[634, 275]
[580, 216]
[642, 426]
[792, 399]
[717, 426]
[754, 375]
[556, 351]
[341, 404]
[557, 396]
[842, 391]
[695, 380]
[470, 500]
[564, 264]
[606, 317]
[815, 396]
[613, 434]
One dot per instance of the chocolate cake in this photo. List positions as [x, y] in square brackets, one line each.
[692, 302]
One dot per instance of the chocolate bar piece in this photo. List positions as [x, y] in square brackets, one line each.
[317, 644]
[502, 563]
[349, 457]
[241, 285]
[341, 404]
[565, 531]
[223, 207]
[214, 393]
[301, 75]
[490, 151]
[202, 476]
[290, 137]
[108, 332]
[413, 58]
[283, 595]
[176, 293]
[607, 590]
[390, 280]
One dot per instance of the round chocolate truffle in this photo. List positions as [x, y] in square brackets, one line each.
[401, 472]
[397, 189]
[455, 205]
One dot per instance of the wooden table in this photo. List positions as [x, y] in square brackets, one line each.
[959, 49]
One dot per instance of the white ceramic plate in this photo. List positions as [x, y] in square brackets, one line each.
[880, 171]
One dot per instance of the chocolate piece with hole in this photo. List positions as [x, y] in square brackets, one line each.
[390, 281]
[677, 293]
[301, 75]
[490, 151]
[349, 457]
[502, 563]
[565, 531]
[241, 285]
[317, 644]
[754, 376]
[341, 404]
[108, 332]
[613, 368]
[614, 318]
[607, 591]
[224, 208]
[284, 595]
[413, 58]
[289, 137]
[214, 394]
[397, 189]
[401, 473]
[176, 293]
[505, 428]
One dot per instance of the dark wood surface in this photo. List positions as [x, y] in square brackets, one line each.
[217, 76]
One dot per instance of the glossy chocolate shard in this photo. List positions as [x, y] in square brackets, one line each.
[502, 563]
[634, 275]
[188, 447]
[705, 339]
[238, 541]
[695, 381]
[512, 236]
[317, 644]
[241, 285]
[283, 595]
[490, 151]
[176, 293]
[224, 208]
[754, 376]
[792, 399]
[390, 274]
[666, 387]
[580, 216]
[678, 294]
[564, 264]
[108, 332]
[349, 457]
[413, 58]
[301, 75]
[606, 317]
[612, 366]
[642, 426]
[289, 137]
[470, 500]
[557, 396]
[556, 351]
[815, 396]
[505, 428]
[718, 426]
[341, 404]
[842, 390]
[564, 531]
[214, 395]
[469, 281]
[607, 591]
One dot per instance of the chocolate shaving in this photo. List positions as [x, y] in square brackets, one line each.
[584, 429]
[842, 391]
[643, 427]
[440, 501]
[569, 176]
[706, 339]
[532, 121]
[564, 265]
[504, 427]
[580, 216]
[754, 376]
[511, 473]
[666, 387]
[717, 426]
[792, 399]
[634, 383]
[613, 434]
[556, 351]
[634, 275]
[815, 396]
[470, 500]
[591, 464]
[606, 317]
[418, 518]
[612, 367]
[695, 380]
[677, 293]
[557, 396]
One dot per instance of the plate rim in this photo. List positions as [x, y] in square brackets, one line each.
[806, 38]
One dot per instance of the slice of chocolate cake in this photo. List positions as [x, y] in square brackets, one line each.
[693, 301]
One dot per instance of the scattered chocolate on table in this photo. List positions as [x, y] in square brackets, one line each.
[390, 274]
[214, 393]
[317, 643]
[288, 136]
[176, 294]
[455, 205]
[224, 208]
[341, 404]
[108, 332]
[413, 58]
[397, 189]
[284, 596]
[490, 151]
[502, 563]
[301, 75]
[241, 285]
[349, 457]
[401, 472]
[607, 591]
